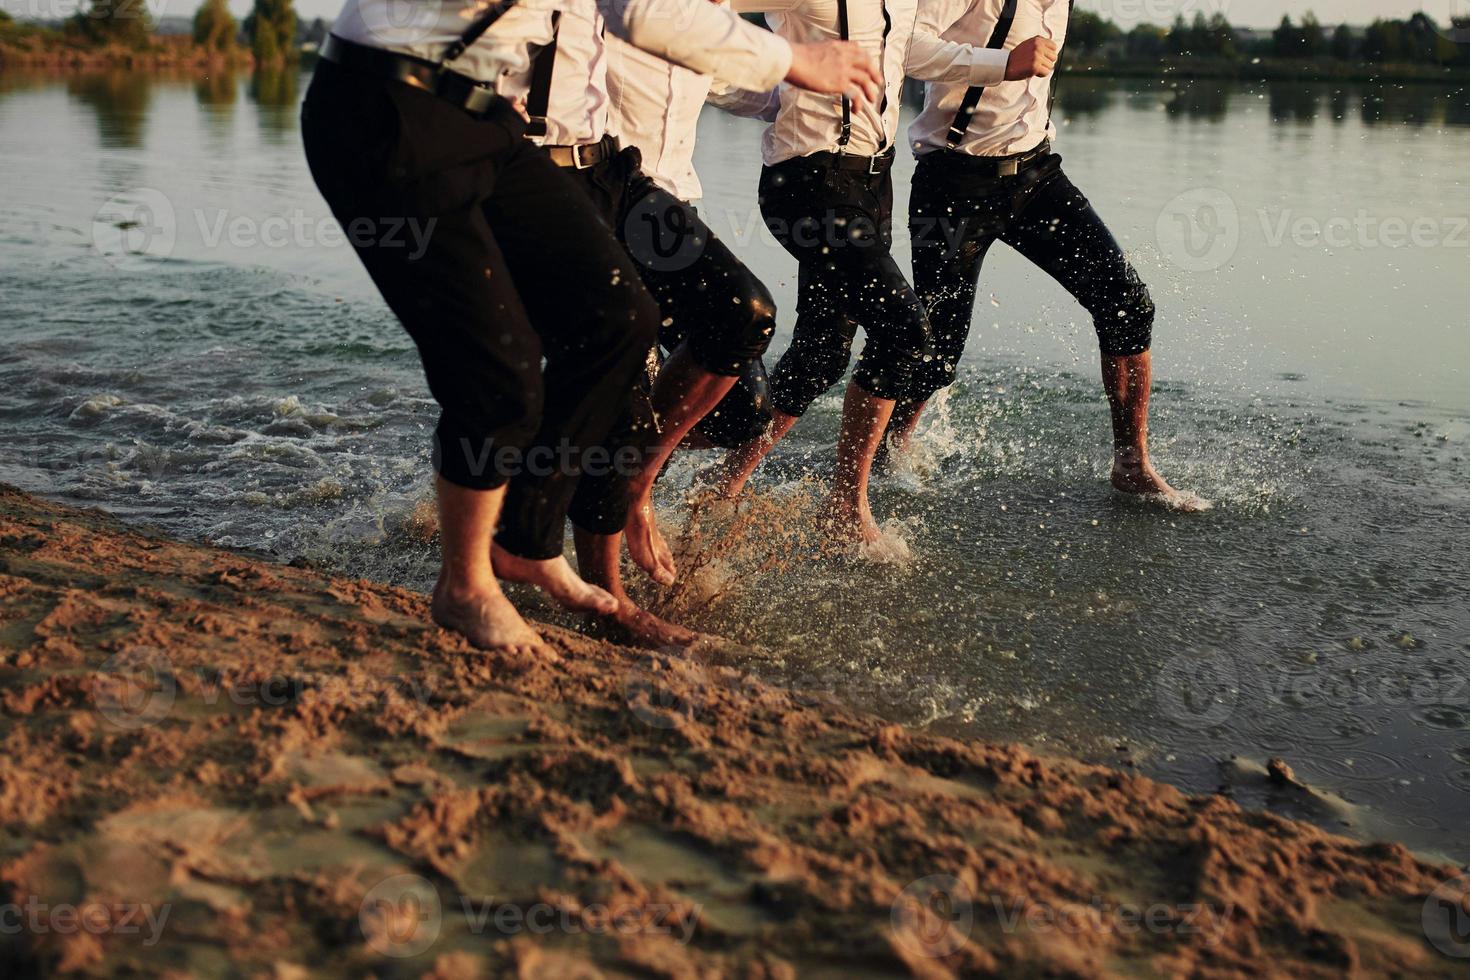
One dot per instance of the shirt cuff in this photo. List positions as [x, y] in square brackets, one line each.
[779, 60]
[989, 66]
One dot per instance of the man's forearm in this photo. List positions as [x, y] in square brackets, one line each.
[703, 37]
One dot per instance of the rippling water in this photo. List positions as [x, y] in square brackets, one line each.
[242, 384]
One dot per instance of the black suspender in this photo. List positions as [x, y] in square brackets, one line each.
[477, 28]
[843, 31]
[961, 124]
[1051, 95]
[538, 99]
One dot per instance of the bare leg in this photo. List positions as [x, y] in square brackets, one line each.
[598, 560]
[900, 434]
[739, 463]
[683, 394]
[864, 419]
[1127, 380]
[555, 577]
[467, 599]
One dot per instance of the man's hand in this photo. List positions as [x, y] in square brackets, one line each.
[838, 67]
[1032, 58]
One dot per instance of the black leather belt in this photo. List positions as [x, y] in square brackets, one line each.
[986, 167]
[461, 91]
[584, 155]
[847, 161]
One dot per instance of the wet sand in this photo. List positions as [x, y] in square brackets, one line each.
[218, 766]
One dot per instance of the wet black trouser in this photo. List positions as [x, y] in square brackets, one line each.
[516, 267]
[706, 297]
[838, 226]
[955, 215]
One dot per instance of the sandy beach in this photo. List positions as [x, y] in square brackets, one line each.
[219, 766]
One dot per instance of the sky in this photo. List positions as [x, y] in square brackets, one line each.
[1245, 13]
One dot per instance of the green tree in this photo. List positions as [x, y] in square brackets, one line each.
[1310, 37]
[1344, 45]
[124, 22]
[1222, 37]
[1088, 32]
[1285, 40]
[214, 26]
[1146, 41]
[271, 28]
[1384, 41]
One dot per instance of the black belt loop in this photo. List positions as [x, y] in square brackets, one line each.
[538, 99]
[961, 124]
[842, 32]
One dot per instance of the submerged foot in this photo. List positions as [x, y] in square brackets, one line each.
[1141, 480]
[633, 625]
[555, 577]
[646, 545]
[488, 621]
[845, 521]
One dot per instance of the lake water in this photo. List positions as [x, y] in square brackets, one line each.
[1308, 250]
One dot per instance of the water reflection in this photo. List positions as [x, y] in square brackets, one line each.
[1291, 101]
[1206, 100]
[1085, 95]
[121, 100]
[275, 93]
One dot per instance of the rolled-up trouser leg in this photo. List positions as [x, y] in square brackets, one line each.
[837, 224]
[705, 296]
[1060, 232]
[744, 413]
[417, 222]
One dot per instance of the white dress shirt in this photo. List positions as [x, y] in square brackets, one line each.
[1011, 117]
[693, 33]
[808, 122]
[655, 107]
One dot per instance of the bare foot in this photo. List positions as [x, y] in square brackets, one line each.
[555, 577]
[488, 621]
[633, 625]
[646, 545]
[1140, 479]
[851, 522]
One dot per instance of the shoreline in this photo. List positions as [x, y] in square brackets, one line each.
[285, 771]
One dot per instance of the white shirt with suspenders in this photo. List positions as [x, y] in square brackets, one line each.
[809, 123]
[993, 117]
[696, 34]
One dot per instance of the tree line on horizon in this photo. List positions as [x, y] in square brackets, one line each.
[273, 35]
[1415, 40]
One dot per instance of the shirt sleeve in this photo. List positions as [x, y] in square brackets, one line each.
[741, 102]
[702, 37]
[930, 58]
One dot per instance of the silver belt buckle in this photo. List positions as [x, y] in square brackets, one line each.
[873, 168]
[1008, 168]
